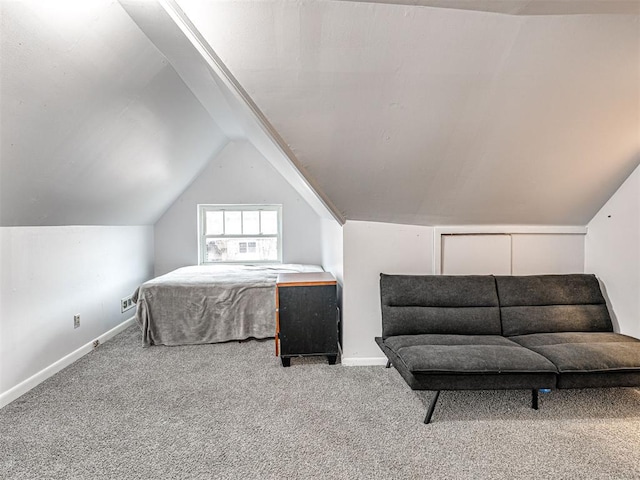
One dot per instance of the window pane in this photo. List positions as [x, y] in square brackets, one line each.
[232, 223]
[242, 250]
[213, 223]
[216, 250]
[269, 222]
[250, 223]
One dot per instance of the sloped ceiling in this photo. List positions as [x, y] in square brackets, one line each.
[97, 127]
[412, 114]
[484, 111]
[173, 33]
[530, 7]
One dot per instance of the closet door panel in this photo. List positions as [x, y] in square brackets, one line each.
[476, 254]
[534, 254]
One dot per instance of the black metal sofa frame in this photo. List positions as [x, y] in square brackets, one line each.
[503, 332]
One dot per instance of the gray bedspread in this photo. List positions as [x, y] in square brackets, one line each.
[211, 303]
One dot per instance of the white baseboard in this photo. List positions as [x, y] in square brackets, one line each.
[363, 361]
[10, 395]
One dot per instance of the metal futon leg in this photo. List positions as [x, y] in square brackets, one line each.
[432, 406]
[388, 364]
[534, 399]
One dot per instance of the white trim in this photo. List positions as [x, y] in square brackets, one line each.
[438, 232]
[363, 362]
[13, 393]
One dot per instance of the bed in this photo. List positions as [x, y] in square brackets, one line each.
[210, 303]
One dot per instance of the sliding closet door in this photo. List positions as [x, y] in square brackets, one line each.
[511, 254]
[544, 254]
[476, 254]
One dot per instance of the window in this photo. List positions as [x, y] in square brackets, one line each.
[239, 233]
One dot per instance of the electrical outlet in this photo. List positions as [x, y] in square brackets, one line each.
[76, 321]
[127, 303]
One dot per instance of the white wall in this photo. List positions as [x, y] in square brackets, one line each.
[238, 174]
[370, 249]
[49, 274]
[332, 248]
[333, 257]
[613, 253]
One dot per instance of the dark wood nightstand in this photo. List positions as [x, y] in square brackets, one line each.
[306, 316]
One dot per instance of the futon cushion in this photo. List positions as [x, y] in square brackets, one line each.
[439, 304]
[552, 303]
[585, 352]
[465, 354]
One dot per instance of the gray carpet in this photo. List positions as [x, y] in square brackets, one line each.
[230, 411]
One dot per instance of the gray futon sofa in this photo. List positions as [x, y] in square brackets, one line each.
[503, 332]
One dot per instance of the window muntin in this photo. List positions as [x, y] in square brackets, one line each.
[239, 233]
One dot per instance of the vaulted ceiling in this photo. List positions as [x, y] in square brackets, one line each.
[412, 114]
[426, 111]
[530, 7]
[97, 127]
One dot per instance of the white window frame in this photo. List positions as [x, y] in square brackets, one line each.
[202, 238]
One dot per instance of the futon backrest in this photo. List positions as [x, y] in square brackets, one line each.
[552, 303]
[442, 304]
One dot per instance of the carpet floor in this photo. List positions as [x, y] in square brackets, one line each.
[230, 411]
